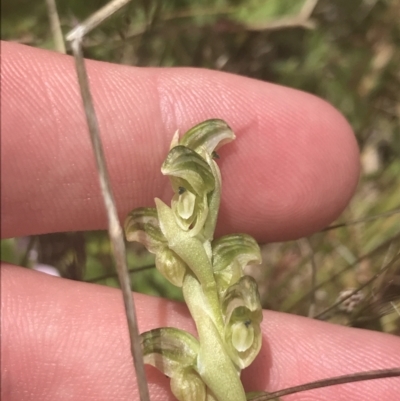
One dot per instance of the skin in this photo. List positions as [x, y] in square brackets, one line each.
[291, 171]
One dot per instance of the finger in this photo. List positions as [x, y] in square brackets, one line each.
[291, 170]
[67, 340]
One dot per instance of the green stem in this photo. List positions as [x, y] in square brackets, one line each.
[213, 363]
[192, 252]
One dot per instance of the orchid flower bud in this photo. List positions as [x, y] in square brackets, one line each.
[204, 139]
[171, 266]
[187, 385]
[174, 352]
[231, 254]
[242, 311]
[142, 225]
[188, 169]
[192, 180]
[169, 349]
[208, 136]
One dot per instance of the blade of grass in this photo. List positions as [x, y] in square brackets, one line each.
[378, 248]
[374, 277]
[363, 220]
[55, 26]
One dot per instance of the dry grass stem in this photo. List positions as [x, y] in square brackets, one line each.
[114, 227]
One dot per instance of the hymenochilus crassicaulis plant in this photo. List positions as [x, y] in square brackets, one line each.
[223, 301]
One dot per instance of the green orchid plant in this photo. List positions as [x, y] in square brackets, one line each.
[224, 302]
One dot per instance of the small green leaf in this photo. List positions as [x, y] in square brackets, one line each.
[169, 349]
[208, 136]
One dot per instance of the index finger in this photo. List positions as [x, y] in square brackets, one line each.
[291, 171]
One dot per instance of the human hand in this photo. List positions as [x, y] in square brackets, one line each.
[291, 170]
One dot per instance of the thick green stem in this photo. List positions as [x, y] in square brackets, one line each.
[192, 251]
[213, 363]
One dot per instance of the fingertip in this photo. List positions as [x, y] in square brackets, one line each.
[299, 167]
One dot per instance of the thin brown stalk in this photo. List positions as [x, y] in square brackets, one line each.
[363, 220]
[114, 227]
[307, 252]
[333, 381]
[95, 19]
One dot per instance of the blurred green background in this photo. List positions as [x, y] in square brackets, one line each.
[347, 52]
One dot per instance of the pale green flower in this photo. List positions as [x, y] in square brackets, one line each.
[171, 266]
[223, 302]
[169, 349]
[196, 202]
[175, 353]
[241, 308]
[142, 225]
[231, 254]
[192, 180]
